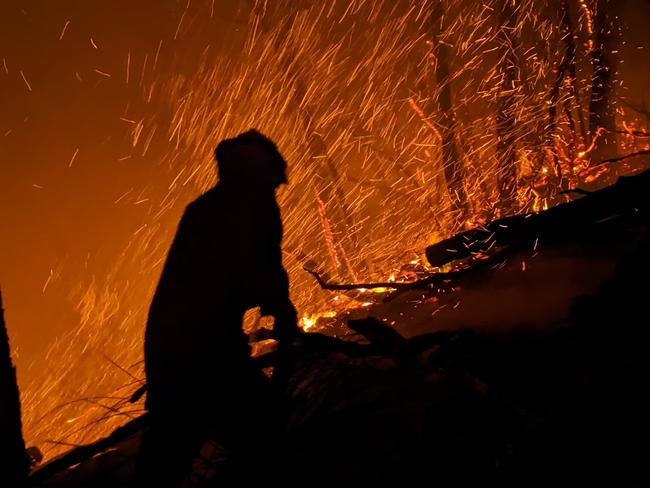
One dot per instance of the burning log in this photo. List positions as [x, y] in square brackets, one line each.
[14, 461]
[598, 211]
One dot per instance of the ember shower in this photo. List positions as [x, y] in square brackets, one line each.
[399, 130]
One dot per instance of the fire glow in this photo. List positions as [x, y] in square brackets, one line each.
[350, 91]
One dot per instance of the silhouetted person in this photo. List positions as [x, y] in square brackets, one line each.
[225, 259]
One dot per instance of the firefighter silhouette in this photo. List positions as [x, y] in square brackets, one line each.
[225, 259]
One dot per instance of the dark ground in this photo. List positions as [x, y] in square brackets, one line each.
[538, 381]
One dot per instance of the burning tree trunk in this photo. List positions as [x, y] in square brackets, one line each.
[506, 119]
[601, 109]
[14, 462]
[453, 168]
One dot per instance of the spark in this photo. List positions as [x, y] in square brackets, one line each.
[124, 195]
[65, 27]
[29, 87]
[155, 60]
[144, 68]
[180, 22]
[72, 159]
[49, 278]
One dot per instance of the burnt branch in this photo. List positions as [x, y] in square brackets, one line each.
[577, 191]
[645, 152]
[352, 286]
[436, 278]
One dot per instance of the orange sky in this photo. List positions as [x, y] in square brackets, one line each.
[54, 215]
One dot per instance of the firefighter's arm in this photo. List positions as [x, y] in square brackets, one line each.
[278, 305]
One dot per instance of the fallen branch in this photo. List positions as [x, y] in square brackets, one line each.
[433, 279]
[404, 286]
[627, 156]
[633, 132]
[84, 453]
[353, 286]
[577, 191]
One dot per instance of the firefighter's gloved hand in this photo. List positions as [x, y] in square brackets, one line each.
[285, 325]
[286, 329]
[286, 332]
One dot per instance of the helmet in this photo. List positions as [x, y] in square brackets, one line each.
[251, 158]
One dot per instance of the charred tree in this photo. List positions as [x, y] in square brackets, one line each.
[453, 167]
[571, 62]
[566, 74]
[565, 79]
[14, 461]
[568, 59]
[602, 113]
[506, 118]
[327, 179]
